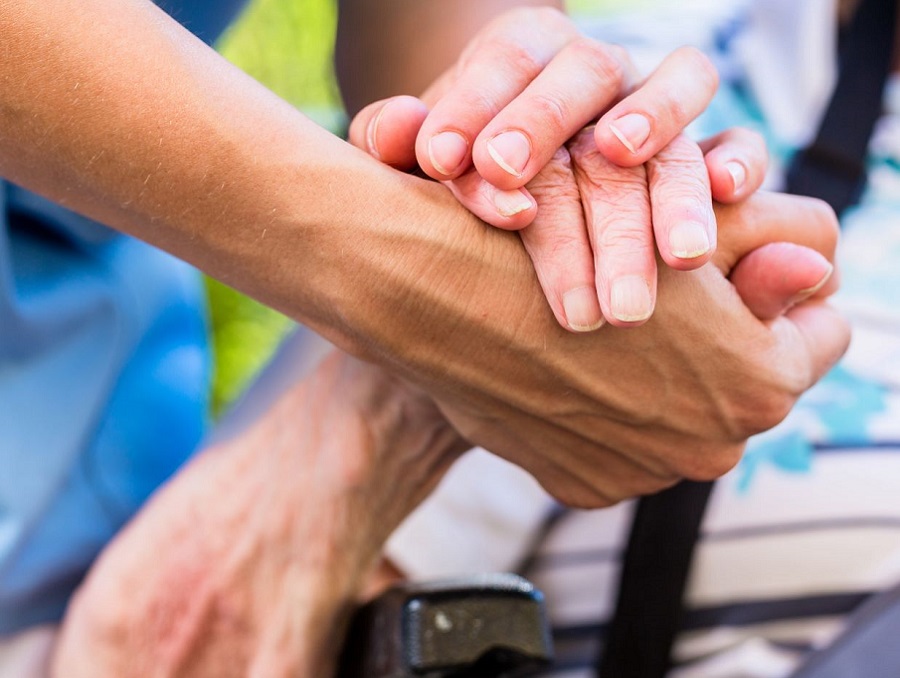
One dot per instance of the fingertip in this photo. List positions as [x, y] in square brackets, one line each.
[690, 245]
[507, 210]
[510, 151]
[728, 179]
[817, 288]
[359, 132]
[736, 161]
[780, 275]
[631, 130]
[737, 171]
[631, 301]
[517, 207]
[391, 132]
[504, 159]
[581, 308]
[616, 146]
[446, 154]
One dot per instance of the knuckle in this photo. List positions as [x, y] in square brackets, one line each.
[553, 113]
[768, 403]
[669, 108]
[501, 54]
[612, 184]
[519, 57]
[681, 150]
[681, 160]
[534, 15]
[605, 62]
[583, 148]
[619, 53]
[767, 413]
[562, 250]
[685, 195]
[621, 238]
[566, 247]
[711, 461]
[622, 188]
[555, 175]
[515, 57]
[549, 22]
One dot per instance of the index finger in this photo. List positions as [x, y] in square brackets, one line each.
[639, 126]
[580, 82]
[498, 65]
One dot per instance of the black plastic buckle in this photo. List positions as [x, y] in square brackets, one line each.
[486, 626]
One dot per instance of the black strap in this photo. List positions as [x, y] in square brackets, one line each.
[666, 526]
[652, 582]
[833, 166]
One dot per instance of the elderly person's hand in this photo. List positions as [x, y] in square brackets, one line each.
[220, 172]
[249, 561]
[525, 85]
[725, 358]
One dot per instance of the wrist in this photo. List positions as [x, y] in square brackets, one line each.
[253, 557]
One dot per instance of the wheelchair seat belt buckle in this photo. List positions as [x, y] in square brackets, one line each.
[486, 626]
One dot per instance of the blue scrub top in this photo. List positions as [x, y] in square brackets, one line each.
[104, 371]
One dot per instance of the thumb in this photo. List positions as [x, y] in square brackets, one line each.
[387, 130]
[773, 278]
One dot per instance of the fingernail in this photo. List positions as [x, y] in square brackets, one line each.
[510, 150]
[582, 309]
[632, 130]
[372, 134]
[802, 295]
[511, 203]
[688, 240]
[738, 174]
[447, 151]
[630, 299]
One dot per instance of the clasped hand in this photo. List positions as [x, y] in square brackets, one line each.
[248, 562]
[505, 131]
[498, 130]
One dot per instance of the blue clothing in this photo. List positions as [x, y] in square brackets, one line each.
[104, 370]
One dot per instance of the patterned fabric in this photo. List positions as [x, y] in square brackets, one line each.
[104, 370]
[808, 525]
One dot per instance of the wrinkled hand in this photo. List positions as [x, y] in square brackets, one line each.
[249, 561]
[577, 266]
[617, 413]
[525, 85]
[583, 195]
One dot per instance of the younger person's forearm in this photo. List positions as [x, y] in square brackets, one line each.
[114, 110]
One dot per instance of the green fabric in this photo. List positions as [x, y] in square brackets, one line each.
[287, 45]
